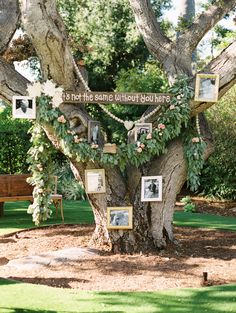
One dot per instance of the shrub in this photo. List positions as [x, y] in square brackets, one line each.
[218, 176]
[68, 186]
[14, 143]
[189, 206]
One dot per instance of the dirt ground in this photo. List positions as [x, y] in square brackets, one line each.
[178, 266]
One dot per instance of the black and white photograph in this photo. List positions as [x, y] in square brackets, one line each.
[94, 132]
[120, 217]
[24, 107]
[95, 181]
[207, 87]
[142, 128]
[151, 188]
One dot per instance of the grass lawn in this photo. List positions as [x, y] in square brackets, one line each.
[16, 217]
[79, 212]
[204, 221]
[28, 298]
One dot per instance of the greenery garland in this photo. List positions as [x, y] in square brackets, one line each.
[169, 124]
[41, 167]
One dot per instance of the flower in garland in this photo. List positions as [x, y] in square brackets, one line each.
[94, 146]
[61, 119]
[139, 149]
[35, 89]
[172, 107]
[149, 136]
[49, 88]
[77, 139]
[57, 98]
[161, 126]
[142, 145]
[195, 139]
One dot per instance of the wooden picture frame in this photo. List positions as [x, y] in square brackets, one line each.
[207, 87]
[151, 188]
[95, 181]
[140, 129]
[23, 107]
[94, 132]
[120, 217]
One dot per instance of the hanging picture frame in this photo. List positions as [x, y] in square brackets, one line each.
[151, 188]
[141, 129]
[120, 217]
[95, 181]
[207, 87]
[94, 132]
[23, 107]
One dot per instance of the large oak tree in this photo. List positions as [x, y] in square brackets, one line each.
[44, 26]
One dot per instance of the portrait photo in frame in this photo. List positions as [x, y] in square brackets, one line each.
[140, 129]
[120, 217]
[151, 188]
[94, 132]
[23, 107]
[207, 87]
[95, 181]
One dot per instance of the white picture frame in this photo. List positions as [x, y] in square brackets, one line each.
[140, 129]
[95, 181]
[120, 217]
[23, 107]
[207, 87]
[151, 188]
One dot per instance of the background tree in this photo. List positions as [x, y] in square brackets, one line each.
[218, 178]
[152, 221]
[14, 143]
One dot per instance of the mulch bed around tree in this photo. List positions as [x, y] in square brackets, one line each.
[182, 265]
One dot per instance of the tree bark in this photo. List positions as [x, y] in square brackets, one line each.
[9, 17]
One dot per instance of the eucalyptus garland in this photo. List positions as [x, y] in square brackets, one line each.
[172, 118]
[41, 167]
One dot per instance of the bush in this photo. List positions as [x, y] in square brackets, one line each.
[14, 143]
[189, 206]
[218, 176]
[68, 186]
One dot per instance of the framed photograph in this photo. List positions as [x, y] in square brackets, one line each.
[140, 129]
[24, 107]
[95, 181]
[207, 87]
[120, 217]
[151, 188]
[94, 132]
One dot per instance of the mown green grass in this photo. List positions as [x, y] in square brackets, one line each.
[80, 212]
[16, 217]
[188, 219]
[28, 298]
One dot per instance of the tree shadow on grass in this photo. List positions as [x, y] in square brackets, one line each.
[20, 310]
[51, 281]
[210, 300]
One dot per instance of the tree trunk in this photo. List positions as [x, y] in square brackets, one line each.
[152, 221]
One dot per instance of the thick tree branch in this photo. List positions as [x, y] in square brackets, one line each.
[9, 17]
[225, 65]
[46, 30]
[190, 38]
[11, 82]
[148, 26]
